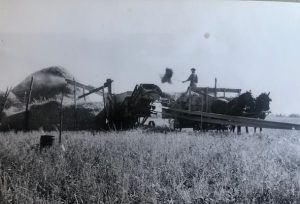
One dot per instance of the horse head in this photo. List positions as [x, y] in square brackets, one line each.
[262, 102]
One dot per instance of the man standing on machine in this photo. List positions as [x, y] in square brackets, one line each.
[193, 78]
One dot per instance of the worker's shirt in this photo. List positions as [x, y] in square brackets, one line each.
[193, 78]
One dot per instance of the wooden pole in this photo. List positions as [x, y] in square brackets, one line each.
[206, 99]
[61, 117]
[6, 97]
[202, 104]
[83, 90]
[7, 92]
[190, 99]
[215, 94]
[104, 100]
[27, 106]
[109, 102]
[109, 81]
[75, 105]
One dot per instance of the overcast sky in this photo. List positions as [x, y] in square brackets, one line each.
[249, 45]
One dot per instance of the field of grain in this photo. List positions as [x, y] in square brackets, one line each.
[144, 167]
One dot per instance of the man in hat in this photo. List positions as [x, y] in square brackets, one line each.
[193, 78]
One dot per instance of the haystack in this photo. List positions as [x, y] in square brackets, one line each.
[48, 86]
[48, 83]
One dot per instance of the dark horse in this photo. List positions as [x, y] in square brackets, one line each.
[244, 103]
[236, 107]
[262, 106]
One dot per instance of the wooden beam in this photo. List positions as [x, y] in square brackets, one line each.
[83, 86]
[217, 90]
[227, 119]
[92, 91]
[225, 122]
[101, 88]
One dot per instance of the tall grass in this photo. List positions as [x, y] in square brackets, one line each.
[140, 167]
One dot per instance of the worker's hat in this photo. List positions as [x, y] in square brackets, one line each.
[193, 69]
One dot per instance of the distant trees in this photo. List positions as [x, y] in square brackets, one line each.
[294, 115]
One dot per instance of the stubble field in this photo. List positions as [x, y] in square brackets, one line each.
[146, 167]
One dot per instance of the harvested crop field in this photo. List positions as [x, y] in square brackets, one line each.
[145, 167]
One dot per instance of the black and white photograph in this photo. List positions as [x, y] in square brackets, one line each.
[149, 101]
